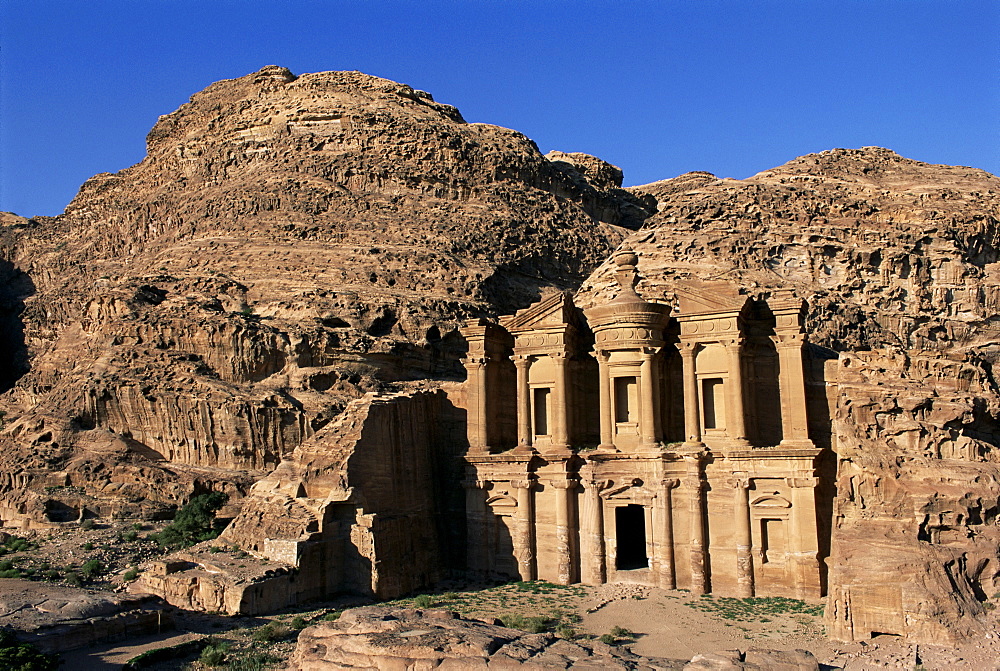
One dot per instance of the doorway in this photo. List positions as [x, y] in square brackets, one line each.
[630, 521]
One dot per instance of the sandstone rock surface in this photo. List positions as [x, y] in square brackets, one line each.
[287, 245]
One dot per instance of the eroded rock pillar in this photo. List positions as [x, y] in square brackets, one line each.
[791, 381]
[736, 414]
[476, 368]
[699, 559]
[564, 556]
[524, 544]
[524, 437]
[604, 390]
[692, 422]
[560, 403]
[648, 435]
[475, 516]
[668, 573]
[593, 561]
[744, 560]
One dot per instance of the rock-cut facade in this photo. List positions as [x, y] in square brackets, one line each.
[632, 442]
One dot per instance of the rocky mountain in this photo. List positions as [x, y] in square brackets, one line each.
[287, 244]
[898, 262]
[291, 243]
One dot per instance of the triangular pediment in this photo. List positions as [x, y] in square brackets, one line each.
[708, 297]
[554, 310]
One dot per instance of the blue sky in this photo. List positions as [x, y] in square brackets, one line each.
[657, 88]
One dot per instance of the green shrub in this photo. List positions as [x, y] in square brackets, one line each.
[272, 631]
[193, 523]
[332, 615]
[621, 632]
[563, 630]
[73, 580]
[214, 655]
[10, 573]
[91, 569]
[88, 524]
[6, 564]
[52, 574]
[423, 601]
[88, 546]
[255, 661]
[532, 624]
[17, 656]
[608, 639]
[130, 536]
[131, 574]
[299, 622]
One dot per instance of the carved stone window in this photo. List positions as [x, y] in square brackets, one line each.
[626, 400]
[713, 403]
[773, 541]
[540, 403]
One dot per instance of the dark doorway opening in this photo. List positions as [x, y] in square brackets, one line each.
[630, 521]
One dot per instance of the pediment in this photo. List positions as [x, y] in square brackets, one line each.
[770, 501]
[554, 310]
[708, 297]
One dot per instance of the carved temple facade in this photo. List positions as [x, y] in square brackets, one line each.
[626, 443]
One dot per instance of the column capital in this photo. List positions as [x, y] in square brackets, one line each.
[473, 361]
[568, 483]
[670, 483]
[521, 359]
[559, 356]
[474, 483]
[649, 352]
[739, 482]
[802, 483]
[731, 343]
[686, 347]
[602, 356]
[524, 483]
[789, 338]
[595, 484]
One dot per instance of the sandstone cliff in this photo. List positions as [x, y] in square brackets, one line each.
[288, 244]
[898, 261]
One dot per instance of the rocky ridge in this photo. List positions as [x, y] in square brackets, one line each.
[898, 261]
[287, 245]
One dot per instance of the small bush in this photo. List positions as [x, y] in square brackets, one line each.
[131, 574]
[214, 655]
[565, 631]
[10, 573]
[91, 569]
[621, 632]
[17, 656]
[88, 524]
[270, 632]
[299, 622]
[130, 536]
[531, 624]
[52, 574]
[332, 615]
[73, 580]
[88, 546]
[608, 639]
[255, 661]
[6, 564]
[193, 523]
[423, 601]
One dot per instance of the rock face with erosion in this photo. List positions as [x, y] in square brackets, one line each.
[270, 304]
[898, 263]
[287, 245]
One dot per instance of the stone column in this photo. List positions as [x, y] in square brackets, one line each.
[475, 516]
[692, 420]
[736, 414]
[744, 540]
[560, 403]
[604, 388]
[803, 541]
[564, 551]
[668, 574]
[524, 437]
[524, 544]
[648, 436]
[478, 436]
[791, 379]
[696, 490]
[593, 562]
